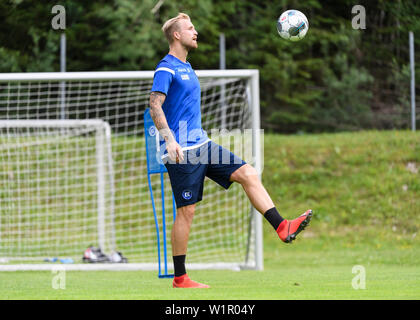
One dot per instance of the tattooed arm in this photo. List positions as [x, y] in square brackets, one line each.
[174, 149]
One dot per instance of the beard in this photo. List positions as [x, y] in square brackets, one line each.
[191, 45]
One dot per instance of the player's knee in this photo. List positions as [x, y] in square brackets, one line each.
[186, 213]
[245, 174]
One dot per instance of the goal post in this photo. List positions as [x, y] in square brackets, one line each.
[106, 180]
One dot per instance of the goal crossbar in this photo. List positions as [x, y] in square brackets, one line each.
[54, 124]
[118, 75]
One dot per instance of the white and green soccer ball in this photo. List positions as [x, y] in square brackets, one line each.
[292, 25]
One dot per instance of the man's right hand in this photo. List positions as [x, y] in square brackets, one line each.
[175, 151]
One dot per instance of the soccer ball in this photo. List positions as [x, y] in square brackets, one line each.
[292, 25]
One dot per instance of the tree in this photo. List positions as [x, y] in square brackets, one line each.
[336, 78]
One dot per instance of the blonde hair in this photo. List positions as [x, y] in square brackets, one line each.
[170, 26]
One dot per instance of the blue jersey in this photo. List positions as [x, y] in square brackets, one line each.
[182, 106]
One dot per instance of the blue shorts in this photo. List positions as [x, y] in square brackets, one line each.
[209, 160]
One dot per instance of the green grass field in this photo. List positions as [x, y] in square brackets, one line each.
[309, 269]
[364, 189]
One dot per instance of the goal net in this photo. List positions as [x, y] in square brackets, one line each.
[73, 171]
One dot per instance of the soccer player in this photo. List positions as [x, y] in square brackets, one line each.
[189, 154]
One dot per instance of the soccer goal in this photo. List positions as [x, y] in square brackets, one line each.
[73, 171]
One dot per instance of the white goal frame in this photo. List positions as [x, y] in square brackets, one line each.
[102, 134]
[252, 77]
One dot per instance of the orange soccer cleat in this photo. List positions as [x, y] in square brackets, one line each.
[185, 282]
[288, 230]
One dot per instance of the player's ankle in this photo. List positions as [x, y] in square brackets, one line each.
[281, 225]
[179, 265]
[273, 216]
[181, 278]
